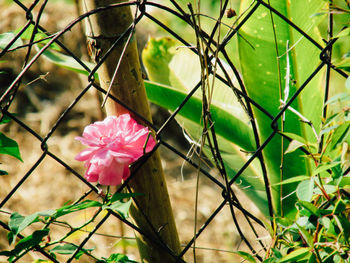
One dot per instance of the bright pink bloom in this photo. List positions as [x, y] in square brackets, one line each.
[114, 144]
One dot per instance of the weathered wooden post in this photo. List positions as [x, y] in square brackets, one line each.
[102, 30]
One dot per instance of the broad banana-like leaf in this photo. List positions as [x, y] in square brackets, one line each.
[274, 64]
[251, 182]
[178, 68]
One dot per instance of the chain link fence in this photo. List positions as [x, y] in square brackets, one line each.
[43, 139]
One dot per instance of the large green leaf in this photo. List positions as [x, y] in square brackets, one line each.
[188, 117]
[250, 182]
[179, 71]
[262, 76]
[67, 62]
[226, 125]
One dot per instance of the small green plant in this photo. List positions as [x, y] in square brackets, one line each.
[41, 239]
[320, 231]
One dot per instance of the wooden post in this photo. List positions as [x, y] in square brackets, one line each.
[102, 30]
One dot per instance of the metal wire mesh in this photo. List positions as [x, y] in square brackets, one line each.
[228, 196]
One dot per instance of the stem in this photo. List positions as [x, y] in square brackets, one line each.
[151, 211]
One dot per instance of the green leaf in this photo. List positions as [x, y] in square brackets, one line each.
[9, 146]
[312, 259]
[341, 97]
[295, 179]
[120, 196]
[246, 256]
[339, 207]
[295, 137]
[306, 235]
[294, 145]
[27, 34]
[295, 255]
[330, 189]
[5, 119]
[310, 207]
[305, 190]
[67, 62]
[18, 222]
[2, 172]
[341, 133]
[347, 83]
[30, 241]
[344, 64]
[121, 207]
[65, 249]
[76, 207]
[284, 221]
[345, 182]
[265, 77]
[343, 33]
[119, 258]
[6, 38]
[178, 70]
[343, 224]
[68, 249]
[329, 226]
[226, 125]
[324, 167]
[250, 182]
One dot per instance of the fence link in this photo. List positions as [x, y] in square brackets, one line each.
[51, 109]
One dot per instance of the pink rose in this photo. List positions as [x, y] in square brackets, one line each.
[113, 144]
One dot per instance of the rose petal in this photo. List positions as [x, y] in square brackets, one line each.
[113, 174]
[92, 173]
[86, 154]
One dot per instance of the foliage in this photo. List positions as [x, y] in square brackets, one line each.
[7, 145]
[320, 231]
[41, 239]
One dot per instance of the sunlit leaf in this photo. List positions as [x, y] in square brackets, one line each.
[39, 36]
[178, 71]
[341, 133]
[347, 83]
[305, 190]
[68, 249]
[294, 145]
[121, 207]
[226, 125]
[6, 38]
[341, 97]
[294, 179]
[295, 255]
[265, 64]
[324, 167]
[119, 258]
[67, 62]
[76, 207]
